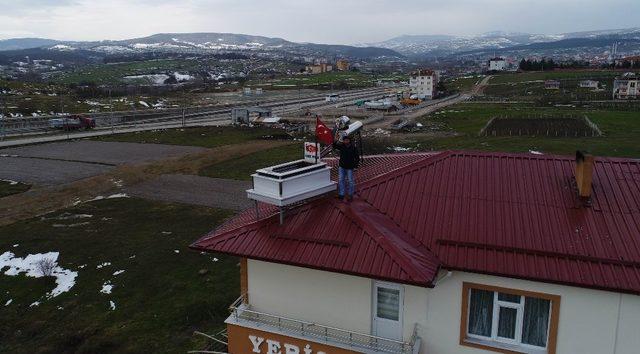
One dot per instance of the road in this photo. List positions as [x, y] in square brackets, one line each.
[411, 115]
[199, 116]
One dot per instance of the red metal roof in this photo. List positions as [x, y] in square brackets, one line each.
[514, 215]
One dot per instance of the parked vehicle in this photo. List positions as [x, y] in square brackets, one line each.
[73, 122]
[332, 98]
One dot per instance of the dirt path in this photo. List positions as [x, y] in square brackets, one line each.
[39, 201]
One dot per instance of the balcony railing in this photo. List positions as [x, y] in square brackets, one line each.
[358, 341]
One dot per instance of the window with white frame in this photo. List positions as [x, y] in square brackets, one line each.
[509, 319]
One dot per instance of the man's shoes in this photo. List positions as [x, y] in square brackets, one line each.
[340, 197]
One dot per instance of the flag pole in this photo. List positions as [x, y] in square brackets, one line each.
[315, 134]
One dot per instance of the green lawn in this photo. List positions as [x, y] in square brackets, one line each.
[199, 136]
[160, 298]
[242, 168]
[10, 187]
[621, 131]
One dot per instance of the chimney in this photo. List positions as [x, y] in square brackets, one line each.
[584, 173]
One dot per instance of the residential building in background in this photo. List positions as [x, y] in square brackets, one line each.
[457, 263]
[626, 86]
[497, 64]
[342, 64]
[319, 68]
[552, 85]
[423, 83]
[592, 84]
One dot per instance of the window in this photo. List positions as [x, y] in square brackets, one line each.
[388, 303]
[507, 320]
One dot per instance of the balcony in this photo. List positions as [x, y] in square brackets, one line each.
[242, 315]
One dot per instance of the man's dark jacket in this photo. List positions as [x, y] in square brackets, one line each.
[349, 156]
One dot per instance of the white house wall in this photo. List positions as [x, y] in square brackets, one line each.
[589, 321]
[332, 299]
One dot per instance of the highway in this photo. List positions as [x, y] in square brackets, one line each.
[30, 130]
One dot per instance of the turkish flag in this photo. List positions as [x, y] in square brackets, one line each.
[323, 134]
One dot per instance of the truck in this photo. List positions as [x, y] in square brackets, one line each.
[73, 122]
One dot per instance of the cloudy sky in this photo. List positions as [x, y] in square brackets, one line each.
[321, 21]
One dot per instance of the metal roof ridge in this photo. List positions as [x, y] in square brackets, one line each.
[396, 247]
[428, 159]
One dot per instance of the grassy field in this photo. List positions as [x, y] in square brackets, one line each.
[113, 73]
[10, 187]
[242, 168]
[462, 84]
[160, 299]
[555, 75]
[620, 131]
[529, 86]
[199, 136]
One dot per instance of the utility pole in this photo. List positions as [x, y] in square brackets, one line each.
[3, 115]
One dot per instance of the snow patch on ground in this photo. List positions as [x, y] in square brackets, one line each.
[37, 303]
[399, 149]
[182, 77]
[107, 287]
[112, 305]
[8, 302]
[65, 278]
[13, 183]
[102, 265]
[176, 251]
[113, 196]
[118, 272]
[535, 152]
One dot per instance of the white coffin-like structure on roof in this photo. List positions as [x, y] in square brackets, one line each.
[291, 182]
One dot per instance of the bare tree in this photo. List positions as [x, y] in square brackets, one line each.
[45, 266]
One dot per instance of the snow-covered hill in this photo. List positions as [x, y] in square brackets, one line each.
[441, 45]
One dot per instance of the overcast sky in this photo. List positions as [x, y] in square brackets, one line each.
[320, 21]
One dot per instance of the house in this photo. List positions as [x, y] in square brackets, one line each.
[497, 64]
[423, 83]
[552, 85]
[626, 86]
[628, 62]
[318, 68]
[342, 64]
[440, 253]
[592, 84]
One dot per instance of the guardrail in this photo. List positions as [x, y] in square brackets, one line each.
[241, 311]
[40, 124]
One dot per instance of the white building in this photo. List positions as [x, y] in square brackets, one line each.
[626, 86]
[593, 84]
[434, 257]
[423, 83]
[497, 64]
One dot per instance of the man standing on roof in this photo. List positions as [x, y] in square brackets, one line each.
[349, 160]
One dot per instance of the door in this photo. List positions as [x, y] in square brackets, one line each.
[388, 306]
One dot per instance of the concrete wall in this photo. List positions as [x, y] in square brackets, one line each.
[590, 321]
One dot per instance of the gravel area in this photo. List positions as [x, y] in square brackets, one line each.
[47, 172]
[198, 190]
[114, 153]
